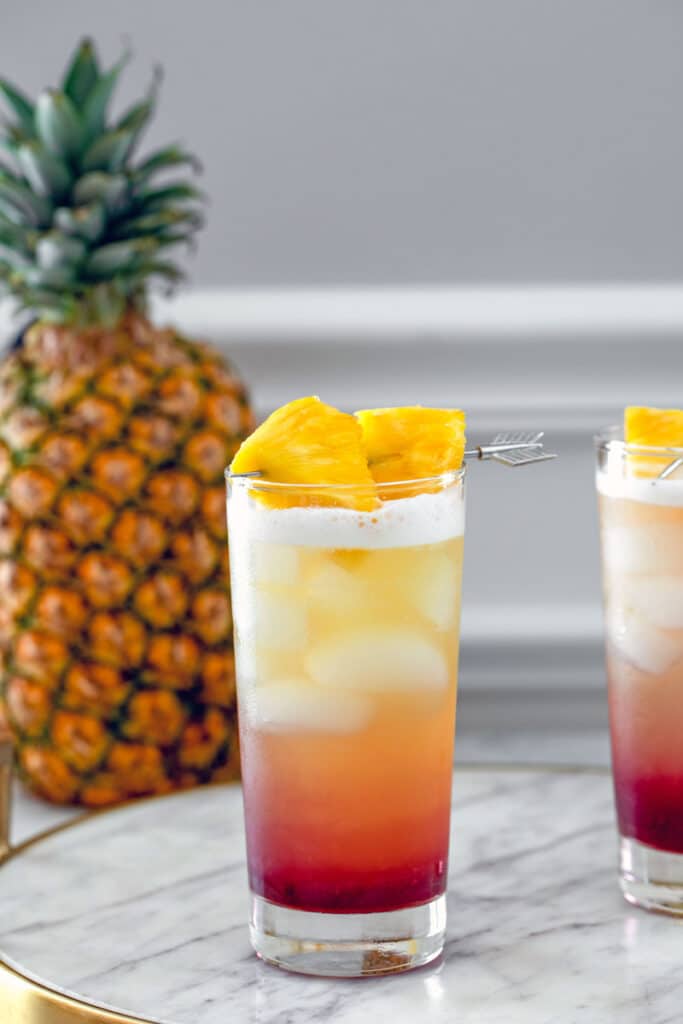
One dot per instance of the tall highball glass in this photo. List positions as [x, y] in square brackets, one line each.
[641, 525]
[346, 644]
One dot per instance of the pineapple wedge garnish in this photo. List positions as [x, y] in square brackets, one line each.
[412, 443]
[307, 442]
[654, 428]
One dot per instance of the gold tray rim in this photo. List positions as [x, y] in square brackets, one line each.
[30, 1001]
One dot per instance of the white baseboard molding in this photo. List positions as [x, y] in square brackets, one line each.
[568, 358]
[439, 313]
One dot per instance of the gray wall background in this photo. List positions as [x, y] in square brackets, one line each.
[372, 141]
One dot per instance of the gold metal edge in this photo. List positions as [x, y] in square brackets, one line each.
[25, 1001]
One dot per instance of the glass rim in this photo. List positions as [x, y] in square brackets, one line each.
[611, 439]
[451, 476]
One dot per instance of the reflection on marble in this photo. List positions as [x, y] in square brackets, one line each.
[144, 909]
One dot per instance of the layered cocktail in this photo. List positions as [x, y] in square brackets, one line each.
[640, 489]
[346, 602]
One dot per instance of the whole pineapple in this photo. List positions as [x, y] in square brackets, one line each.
[115, 625]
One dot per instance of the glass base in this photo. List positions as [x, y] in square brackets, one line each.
[347, 945]
[651, 878]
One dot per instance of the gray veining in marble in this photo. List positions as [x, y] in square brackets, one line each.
[144, 909]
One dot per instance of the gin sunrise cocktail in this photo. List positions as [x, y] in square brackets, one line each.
[346, 603]
[641, 516]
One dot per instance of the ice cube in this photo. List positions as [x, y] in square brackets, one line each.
[377, 658]
[272, 620]
[275, 564]
[434, 588]
[657, 548]
[259, 666]
[292, 704]
[658, 598]
[641, 643]
[336, 590]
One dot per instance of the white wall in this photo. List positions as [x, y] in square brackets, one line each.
[365, 141]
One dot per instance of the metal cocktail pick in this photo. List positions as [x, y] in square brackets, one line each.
[513, 448]
[671, 468]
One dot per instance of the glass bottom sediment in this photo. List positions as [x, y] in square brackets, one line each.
[347, 945]
[651, 878]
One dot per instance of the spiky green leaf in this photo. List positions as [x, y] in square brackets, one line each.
[82, 221]
[95, 107]
[35, 209]
[16, 260]
[55, 250]
[111, 259]
[58, 123]
[10, 212]
[136, 117]
[20, 106]
[55, 305]
[169, 238]
[107, 303]
[49, 277]
[10, 147]
[151, 223]
[162, 160]
[97, 186]
[151, 199]
[161, 268]
[82, 73]
[45, 172]
[17, 237]
[108, 152]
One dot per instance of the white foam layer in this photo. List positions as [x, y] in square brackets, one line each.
[650, 491]
[423, 519]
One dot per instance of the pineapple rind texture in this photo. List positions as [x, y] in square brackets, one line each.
[115, 623]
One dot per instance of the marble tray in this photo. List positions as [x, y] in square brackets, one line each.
[143, 910]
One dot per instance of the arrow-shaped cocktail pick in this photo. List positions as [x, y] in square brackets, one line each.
[513, 448]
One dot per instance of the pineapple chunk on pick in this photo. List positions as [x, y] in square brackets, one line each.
[412, 443]
[652, 428]
[307, 442]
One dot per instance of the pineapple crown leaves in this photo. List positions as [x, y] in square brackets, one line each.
[84, 225]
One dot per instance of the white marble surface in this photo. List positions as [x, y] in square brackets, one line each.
[144, 909]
